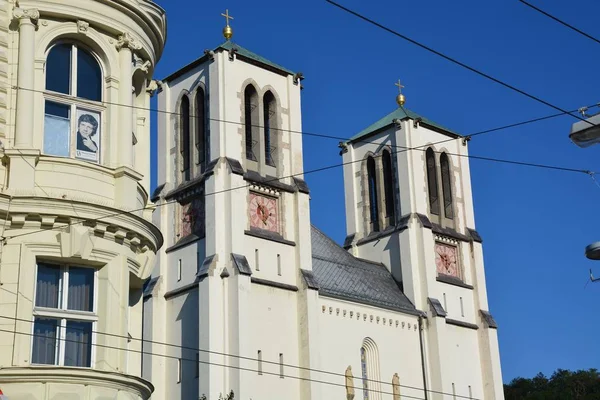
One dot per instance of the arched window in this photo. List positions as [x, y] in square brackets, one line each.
[269, 118]
[251, 121]
[446, 185]
[184, 137]
[369, 363]
[201, 128]
[373, 206]
[388, 185]
[432, 182]
[72, 126]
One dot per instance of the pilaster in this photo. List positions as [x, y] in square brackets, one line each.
[25, 79]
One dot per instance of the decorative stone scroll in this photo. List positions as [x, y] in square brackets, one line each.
[126, 40]
[30, 13]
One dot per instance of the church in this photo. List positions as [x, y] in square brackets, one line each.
[248, 297]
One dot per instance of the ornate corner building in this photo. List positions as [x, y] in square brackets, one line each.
[77, 241]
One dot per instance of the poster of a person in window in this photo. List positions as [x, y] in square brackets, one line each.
[87, 135]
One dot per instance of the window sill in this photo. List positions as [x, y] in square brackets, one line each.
[450, 280]
[268, 235]
[67, 314]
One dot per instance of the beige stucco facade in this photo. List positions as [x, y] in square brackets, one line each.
[71, 212]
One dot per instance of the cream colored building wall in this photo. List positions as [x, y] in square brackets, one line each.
[69, 211]
[344, 326]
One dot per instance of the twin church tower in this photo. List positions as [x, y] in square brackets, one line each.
[284, 310]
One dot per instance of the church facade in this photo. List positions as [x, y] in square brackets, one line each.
[247, 296]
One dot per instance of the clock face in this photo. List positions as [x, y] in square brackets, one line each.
[263, 212]
[446, 259]
[186, 220]
[192, 218]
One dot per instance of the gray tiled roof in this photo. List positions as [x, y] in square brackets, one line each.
[341, 275]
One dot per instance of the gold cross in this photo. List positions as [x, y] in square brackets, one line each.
[400, 86]
[227, 17]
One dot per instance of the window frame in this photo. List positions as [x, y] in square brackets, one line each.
[201, 128]
[63, 315]
[432, 182]
[373, 195]
[76, 103]
[389, 198]
[185, 139]
[446, 183]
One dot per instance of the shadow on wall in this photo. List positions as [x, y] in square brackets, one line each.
[188, 316]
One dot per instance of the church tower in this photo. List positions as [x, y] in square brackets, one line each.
[409, 206]
[234, 211]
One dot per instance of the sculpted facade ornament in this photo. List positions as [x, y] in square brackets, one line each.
[153, 86]
[349, 383]
[30, 13]
[126, 40]
[82, 27]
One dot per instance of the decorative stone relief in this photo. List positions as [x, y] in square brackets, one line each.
[126, 40]
[31, 13]
[83, 27]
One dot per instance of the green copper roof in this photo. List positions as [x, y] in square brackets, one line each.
[401, 114]
[228, 45]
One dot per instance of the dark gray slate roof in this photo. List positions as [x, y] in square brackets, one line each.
[341, 275]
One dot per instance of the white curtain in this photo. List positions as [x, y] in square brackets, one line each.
[56, 135]
[78, 344]
[81, 289]
[44, 341]
[48, 279]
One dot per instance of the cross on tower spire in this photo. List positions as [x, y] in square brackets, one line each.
[227, 31]
[400, 99]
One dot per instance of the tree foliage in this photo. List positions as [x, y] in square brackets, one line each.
[562, 385]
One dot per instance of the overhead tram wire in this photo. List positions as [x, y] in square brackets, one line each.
[305, 133]
[459, 63]
[276, 363]
[560, 21]
[321, 169]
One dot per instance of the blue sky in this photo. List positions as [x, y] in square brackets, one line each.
[535, 223]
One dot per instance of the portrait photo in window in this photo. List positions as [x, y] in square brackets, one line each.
[88, 135]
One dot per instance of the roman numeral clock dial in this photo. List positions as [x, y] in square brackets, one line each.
[264, 212]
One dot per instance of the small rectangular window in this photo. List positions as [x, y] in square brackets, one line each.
[445, 305]
[57, 129]
[178, 270]
[278, 265]
[256, 264]
[197, 365]
[462, 308]
[453, 392]
[259, 357]
[470, 392]
[179, 370]
[281, 365]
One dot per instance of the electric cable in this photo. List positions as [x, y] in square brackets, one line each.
[560, 21]
[220, 354]
[455, 61]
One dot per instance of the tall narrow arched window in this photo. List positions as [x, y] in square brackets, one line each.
[388, 186]
[432, 182]
[251, 122]
[446, 185]
[184, 133]
[269, 133]
[373, 201]
[72, 123]
[201, 136]
[369, 362]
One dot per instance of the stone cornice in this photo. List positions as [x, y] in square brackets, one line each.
[82, 376]
[51, 214]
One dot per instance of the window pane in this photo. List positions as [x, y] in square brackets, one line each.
[47, 288]
[44, 341]
[81, 289]
[58, 69]
[57, 129]
[89, 76]
[78, 344]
